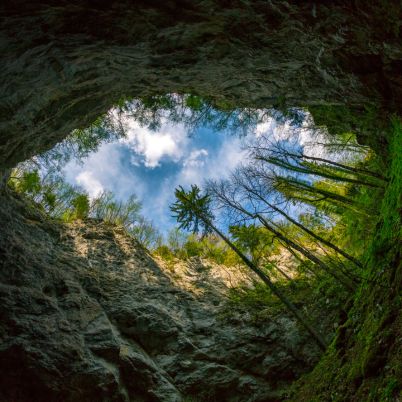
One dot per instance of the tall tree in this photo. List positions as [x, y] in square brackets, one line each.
[245, 179]
[308, 168]
[227, 194]
[295, 155]
[193, 210]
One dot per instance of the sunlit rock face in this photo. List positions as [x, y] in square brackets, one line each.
[64, 63]
[89, 315]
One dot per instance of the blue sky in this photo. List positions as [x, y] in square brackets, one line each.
[152, 164]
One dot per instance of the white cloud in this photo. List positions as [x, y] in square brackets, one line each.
[265, 127]
[156, 208]
[309, 139]
[91, 184]
[196, 158]
[169, 142]
[213, 166]
[230, 156]
[105, 170]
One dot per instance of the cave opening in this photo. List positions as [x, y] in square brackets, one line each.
[143, 149]
[264, 174]
[290, 245]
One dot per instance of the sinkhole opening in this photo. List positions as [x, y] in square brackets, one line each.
[143, 149]
[268, 190]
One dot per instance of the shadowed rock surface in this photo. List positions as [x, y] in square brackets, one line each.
[86, 314]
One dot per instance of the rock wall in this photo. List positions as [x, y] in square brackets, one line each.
[85, 317]
[63, 63]
[86, 314]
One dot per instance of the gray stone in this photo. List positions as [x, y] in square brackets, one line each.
[78, 325]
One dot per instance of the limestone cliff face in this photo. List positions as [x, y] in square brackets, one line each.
[86, 314]
[65, 62]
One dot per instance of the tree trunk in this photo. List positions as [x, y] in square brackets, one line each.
[345, 282]
[300, 186]
[341, 166]
[311, 171]
[308, 231]
[275, 290]
[306, 253]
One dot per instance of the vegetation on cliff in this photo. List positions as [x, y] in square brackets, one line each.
[319, 203]
[364, 360]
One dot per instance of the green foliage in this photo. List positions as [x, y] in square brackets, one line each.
[321, 298]
[68, 203]
[253, 240]
[391, 206]
[193, 111]
[192, 210]
[176, 239]
[364, 361]
[145, 232]
[253, 299]
[343, 121]
[81, 206]
[192, 247]
[165, 252]
[81, 142]
[390, 388]
[193, 102]
[49, 199]
[182, 246]
[108, 209]
[30, 183]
